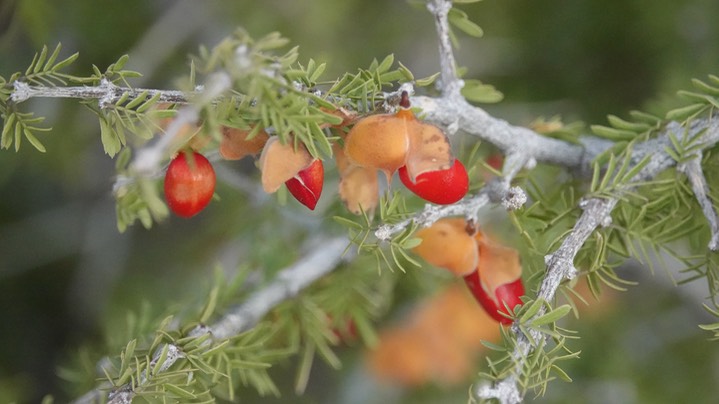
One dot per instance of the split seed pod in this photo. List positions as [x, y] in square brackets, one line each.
[442, 187]
[429, 149]
[235, 144]
[446, 244]
[359, 187]
[281, 162]
[497, 282]
[306, 186]
[389, 141]
[380, 142]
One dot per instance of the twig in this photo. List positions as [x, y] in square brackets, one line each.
[450, 83]
[693, 170]
[497, 191]
[320, 261]
[597, 212]
[523, 148]
[288, 283]
[148, 159]
[108, 92]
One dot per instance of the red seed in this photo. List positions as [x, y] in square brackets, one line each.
[507, 295]
[189, 185]
[442, 187]
[306, 186]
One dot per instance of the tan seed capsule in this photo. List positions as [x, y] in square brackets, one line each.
[281, 162]
[446, 244]
[380, 142]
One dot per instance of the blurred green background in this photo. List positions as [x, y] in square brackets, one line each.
[67, 275]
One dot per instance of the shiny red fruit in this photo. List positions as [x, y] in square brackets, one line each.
[189, 184]
[306, 186]
[507, 295]
[442, 187]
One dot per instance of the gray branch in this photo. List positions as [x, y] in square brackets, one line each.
[449, 83]
[693, 170]
[524, 148]
[325, 256]
[288, 283]
[597, 213]
[107, 92]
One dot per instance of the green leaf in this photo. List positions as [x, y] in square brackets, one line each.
[65, 62]
[709, 327]
[33, 140]
[315, 74]
[620, 123]
[612, 133]
[347, 222]
[406, 73]
[683, 113]
[117, 66]
[18, 135]
[52, 58]
[552, 316]
[6, 138]
[134, 103]
[386, 64]
[394, 75]
[476, 91]
[531, 310]
[210, 306]
[123, 159]
[178, 391]
[110, 141]
[148, 103]
[645, 117]
[636, 169]
[493, 347]
[706, 88]
[423, 82]
[161, 359]
[40, 60]
[460, 20]
[561, 374]
[411, 243]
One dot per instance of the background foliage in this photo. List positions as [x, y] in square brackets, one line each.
[68, 278]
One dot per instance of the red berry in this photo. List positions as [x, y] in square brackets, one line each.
[442, 187]
[189, 185]
[306, 186]
[507, 295]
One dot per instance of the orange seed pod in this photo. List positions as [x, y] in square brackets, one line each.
[235, 144]
[281, 162]
[380, 142]
[446, 244]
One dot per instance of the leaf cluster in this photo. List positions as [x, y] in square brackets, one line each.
[389, 254]
[44, 70]
[181, 361]
[137, 198]
[536, 323]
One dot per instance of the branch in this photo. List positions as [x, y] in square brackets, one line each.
[148, 159]
[107, 92]
[597, 212]
[497, 191]
[524, 148]
[450, 83]
[288, 284]
[693, 170]
[320, 261]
